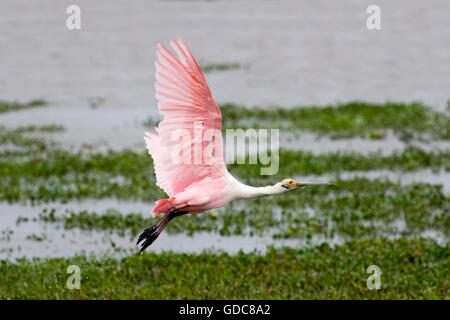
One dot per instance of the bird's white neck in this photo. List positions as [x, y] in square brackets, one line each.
[246, 192]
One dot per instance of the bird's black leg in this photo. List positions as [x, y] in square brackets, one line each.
[149, 235]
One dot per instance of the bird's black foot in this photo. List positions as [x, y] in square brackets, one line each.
[149, 235]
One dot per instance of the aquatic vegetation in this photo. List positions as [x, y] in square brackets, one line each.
[35, 237]
[354, 119]
[18, 137]
[60, 175]
[299, 162]
[132, 164]
[6, 106]
[151, 123]
[345, 120]
[51, 128]
[220, 67]
[411, 269]
[367, 214]
[369, 209]
[111, 219]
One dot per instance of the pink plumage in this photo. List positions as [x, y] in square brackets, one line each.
[194, 181]
[183, 98]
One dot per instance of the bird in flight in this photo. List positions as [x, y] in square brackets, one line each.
[193, 184]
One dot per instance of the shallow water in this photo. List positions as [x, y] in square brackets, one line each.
[440, 177]
[100, 79]
[54, 241]
[386, 146]
[58, 242]
[131, 138]
[316, 144]
[297, 52]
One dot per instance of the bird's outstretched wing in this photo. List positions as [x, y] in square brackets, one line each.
[185, 101]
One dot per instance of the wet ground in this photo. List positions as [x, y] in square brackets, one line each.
[24, 234]
[99, 82]
[35, 238]
[441, 177]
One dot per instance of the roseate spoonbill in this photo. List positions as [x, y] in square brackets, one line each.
[184, 99]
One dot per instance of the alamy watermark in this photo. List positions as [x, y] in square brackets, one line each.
[73, 21]
[373, 21]
[74, 280]
[374, 281]
[204, 147]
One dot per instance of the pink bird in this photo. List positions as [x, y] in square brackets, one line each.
[186, 104]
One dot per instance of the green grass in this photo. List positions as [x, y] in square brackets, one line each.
[50, 128]
[220, 67]
[60, 175]
[6, 106]
[411, 269]
[134, 164]
[361, 211]
[347, 120]
[30, 144]
[299, 162]
[111, 220]
[358, 208]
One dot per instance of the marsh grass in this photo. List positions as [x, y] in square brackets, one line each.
[50, 128]
[360, 208]
[347, 120]
[220, 67]
[363, 211]
[23, 138]
[354, 119]
[60, 175]
[292, 162]
[6, 106]
[111, 220]
[411, 269]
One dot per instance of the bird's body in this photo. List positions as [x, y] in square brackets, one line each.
[187, 149]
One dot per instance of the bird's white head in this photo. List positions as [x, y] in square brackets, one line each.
[291, 184]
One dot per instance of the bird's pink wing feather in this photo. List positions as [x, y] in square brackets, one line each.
[183, 98]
